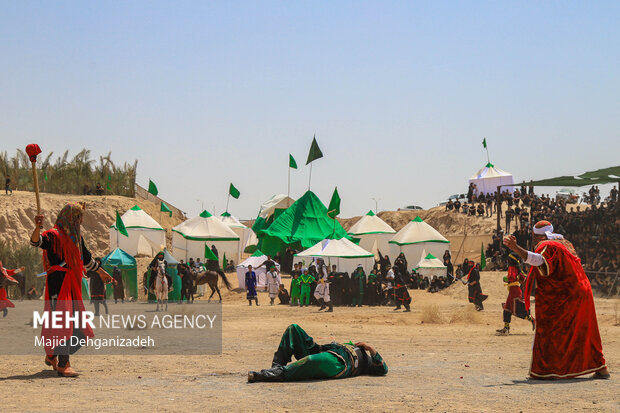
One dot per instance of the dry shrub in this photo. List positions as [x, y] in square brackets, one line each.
[467, 316]
[431, 315]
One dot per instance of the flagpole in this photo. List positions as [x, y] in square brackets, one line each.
[310, 178]
[486, 146]
[288, 194]
[227, 201]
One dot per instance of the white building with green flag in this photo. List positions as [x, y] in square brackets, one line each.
[145, 235]
[373, 233]
[415, 240]
[488, 178]
[189, 238]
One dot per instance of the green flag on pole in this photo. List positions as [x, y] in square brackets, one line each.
[120, 226]
[291, 162]
[483, 258]
[45, 176]
[108, 186]
[334, 205]
[224, 263]
[315, 152]
[153, 188]
[164, 208]
[484, 143]
[234, 192]
[209, 255]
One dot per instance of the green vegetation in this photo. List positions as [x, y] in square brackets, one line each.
[76, 176]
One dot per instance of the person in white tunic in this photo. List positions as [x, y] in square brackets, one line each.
[321, 293]
[273, 283]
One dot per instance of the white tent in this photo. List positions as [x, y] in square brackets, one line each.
[190, 237]
[145, 234]
[255, 260]
[417, 238]
[340, 252]
[372, 230]
[279, 201]
[244, 233]
[430, 266]
[488, 178]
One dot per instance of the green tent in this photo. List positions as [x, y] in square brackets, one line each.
[598, 177]
[175, 294]
[129, 270]
[300, 226]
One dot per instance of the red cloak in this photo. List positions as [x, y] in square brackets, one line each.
[567, 342]
[4, 301]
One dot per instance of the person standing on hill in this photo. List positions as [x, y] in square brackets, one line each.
[7, 186]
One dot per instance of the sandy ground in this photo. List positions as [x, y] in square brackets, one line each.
[453, 364]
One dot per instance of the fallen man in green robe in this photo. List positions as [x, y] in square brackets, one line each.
[315, 361]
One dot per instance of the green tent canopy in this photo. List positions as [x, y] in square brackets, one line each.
[129, 270]
[598, 177]
[302, 225]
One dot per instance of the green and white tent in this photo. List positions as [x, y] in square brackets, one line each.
[270, 210]
[300, 226]
[244, 233]
[189, 238]
[146, 236]
[415, 240]
[373, 233]
[340, 252]
[488, 178]
[430, 266]
[129, 270]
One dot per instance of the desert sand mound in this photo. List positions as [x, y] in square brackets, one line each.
[19, 209]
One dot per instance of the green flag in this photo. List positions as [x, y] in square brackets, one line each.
[483, 259]
[334, 205]
[234, 192]
[109, 177]
[153, 188]
[209, 255]
[315, 152]
[164, 208]
[45, 176]
[224, 263]
[291, 162]
[120, 226]
[484, 143]
[108, 186]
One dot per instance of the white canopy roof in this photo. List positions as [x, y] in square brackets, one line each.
[370, 224]
[205, 227]
[231, 221]
[490, 171]
[137, 218]
[279, 201]
[417, 231]
[255, 260]
[430, 261]
[342, 248]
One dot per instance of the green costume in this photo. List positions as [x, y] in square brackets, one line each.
[359, 285]
[306, 280]
[314, 361]
[295, 291]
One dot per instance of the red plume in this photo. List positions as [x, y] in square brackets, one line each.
[33, 150]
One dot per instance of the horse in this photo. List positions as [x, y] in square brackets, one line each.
[160, 287]
[210, 277]
[187, 283]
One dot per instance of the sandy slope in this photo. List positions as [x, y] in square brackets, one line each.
[452, 366]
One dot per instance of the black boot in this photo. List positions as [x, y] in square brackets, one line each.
[273, 374]
[322, 302]
[331, 307]
[256, 300]
[250, 301]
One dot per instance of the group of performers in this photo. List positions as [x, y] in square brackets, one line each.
[567, 341]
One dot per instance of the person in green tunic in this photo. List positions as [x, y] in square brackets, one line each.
[295, 287]
[372, 293]
[306, 279]
[315, 361]
[359, 285]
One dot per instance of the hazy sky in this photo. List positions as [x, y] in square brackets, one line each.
[399, 94]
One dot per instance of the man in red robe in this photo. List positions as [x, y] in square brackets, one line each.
[5, 279]
[567, 342]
